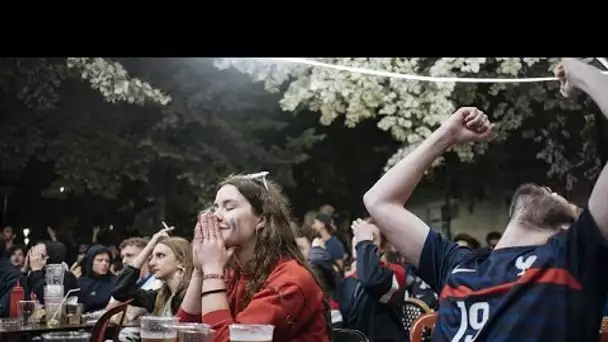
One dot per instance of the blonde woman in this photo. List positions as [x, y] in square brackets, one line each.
[171, 263]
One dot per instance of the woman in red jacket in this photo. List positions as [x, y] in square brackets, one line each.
[249, 269]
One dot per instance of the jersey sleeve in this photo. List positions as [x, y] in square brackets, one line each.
[439, 256]
[378, 280]
[585, 251]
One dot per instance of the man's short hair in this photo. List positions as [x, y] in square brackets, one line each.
[468, 239]
[134, 241]
[15, 248]
[493, 236]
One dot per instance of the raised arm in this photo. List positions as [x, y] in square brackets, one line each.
[574, 73]
[125, 288]
[143, 257]
[385, 200]
[379, 281]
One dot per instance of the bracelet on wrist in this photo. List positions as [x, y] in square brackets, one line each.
[204, 293]
[208, 276]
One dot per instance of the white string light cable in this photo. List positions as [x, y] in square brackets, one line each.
[603, 61]
[421, 78]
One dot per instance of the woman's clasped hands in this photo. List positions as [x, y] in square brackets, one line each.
[209, 249]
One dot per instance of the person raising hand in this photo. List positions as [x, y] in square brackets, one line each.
[171, 263]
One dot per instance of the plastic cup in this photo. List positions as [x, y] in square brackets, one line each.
[194, 332]
[71, 336]
[157, 329]
[53, 313]
[53, 291]
[251, 332]
[74, 313]
[26, 309]
[54, 274]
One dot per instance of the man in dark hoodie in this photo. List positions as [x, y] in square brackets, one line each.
[96, 283]
[46, 253]
[9, 276]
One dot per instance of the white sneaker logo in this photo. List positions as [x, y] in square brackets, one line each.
[457, 269]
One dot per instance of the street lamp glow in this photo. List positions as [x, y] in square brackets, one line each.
[62, 189]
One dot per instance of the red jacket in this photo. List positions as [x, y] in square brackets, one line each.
[290, 300]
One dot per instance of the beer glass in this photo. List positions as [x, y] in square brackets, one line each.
[251, 332]
[157, 329]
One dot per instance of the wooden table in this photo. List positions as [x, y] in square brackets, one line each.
[36, 329]
[40, 328]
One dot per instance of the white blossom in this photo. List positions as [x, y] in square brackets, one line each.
[114, 83]
[411, 110]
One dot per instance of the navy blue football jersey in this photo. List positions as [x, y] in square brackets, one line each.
[552, 292]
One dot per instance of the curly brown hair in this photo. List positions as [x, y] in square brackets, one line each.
[274, 242]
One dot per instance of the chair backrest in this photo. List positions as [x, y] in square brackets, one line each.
[412, 310]
[422, 327]
[99, 330]
[348, 335]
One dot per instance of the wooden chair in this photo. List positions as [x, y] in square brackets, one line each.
[99, 330]
[412, 310]
[422, 325]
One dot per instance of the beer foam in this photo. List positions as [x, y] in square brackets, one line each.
[151, 334]
[251, 333]
[157, 334]
[246, 336]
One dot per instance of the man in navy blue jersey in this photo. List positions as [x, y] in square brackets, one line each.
[546, 279]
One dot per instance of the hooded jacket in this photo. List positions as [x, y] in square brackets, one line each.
[36, 280]
[9, 276]
[94, 288]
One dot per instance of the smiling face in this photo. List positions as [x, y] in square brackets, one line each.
[237, 221]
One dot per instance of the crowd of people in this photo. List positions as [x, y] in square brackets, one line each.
[540, 280]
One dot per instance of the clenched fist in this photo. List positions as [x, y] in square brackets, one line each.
[467, 124]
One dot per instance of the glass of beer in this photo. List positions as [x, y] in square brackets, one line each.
[251, 332]
[195, 332]
[158, 329]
